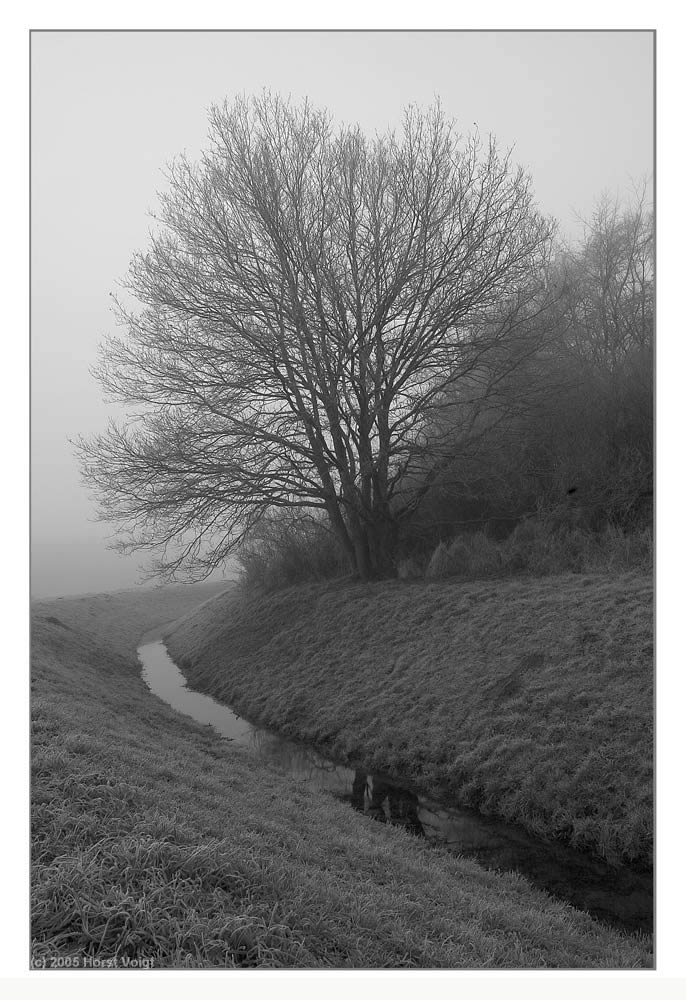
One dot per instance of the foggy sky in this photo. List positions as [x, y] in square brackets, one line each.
[109, 109]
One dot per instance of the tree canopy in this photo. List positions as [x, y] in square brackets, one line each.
[308, 302]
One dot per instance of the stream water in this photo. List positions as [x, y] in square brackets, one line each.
[618, 896]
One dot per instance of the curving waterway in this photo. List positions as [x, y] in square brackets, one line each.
[618, 896]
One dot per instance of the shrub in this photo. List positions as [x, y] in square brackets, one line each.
[540, 546]
[628, 550]
[459, 558]
[282, 552]
[409, 569]
[484, 554]
[439, 564]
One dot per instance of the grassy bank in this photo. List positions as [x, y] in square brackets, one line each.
[118, 619]
[154, 840]
[528, 699]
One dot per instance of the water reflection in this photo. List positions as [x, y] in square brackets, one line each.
[302, 762]
[618, 896]
[385, 801]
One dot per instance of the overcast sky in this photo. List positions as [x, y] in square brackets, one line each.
[109, 109]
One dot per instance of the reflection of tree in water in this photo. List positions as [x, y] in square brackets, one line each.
[359, 790]
[374, 791]
[368, 793]
[298, 759]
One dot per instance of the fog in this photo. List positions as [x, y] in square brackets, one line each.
[109, 109]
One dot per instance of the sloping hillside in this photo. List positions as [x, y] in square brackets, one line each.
[119, 619]
[529, 699]
[156, 843]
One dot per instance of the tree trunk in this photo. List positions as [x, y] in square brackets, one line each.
[369, 541]
[363, 562]
[374, 546]
[383, 540]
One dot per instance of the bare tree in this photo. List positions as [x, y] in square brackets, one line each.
[309, 299]
[607, 283]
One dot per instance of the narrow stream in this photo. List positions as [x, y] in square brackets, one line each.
[618, 896]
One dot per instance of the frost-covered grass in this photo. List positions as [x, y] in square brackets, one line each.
[155, 840]
[531, 699]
